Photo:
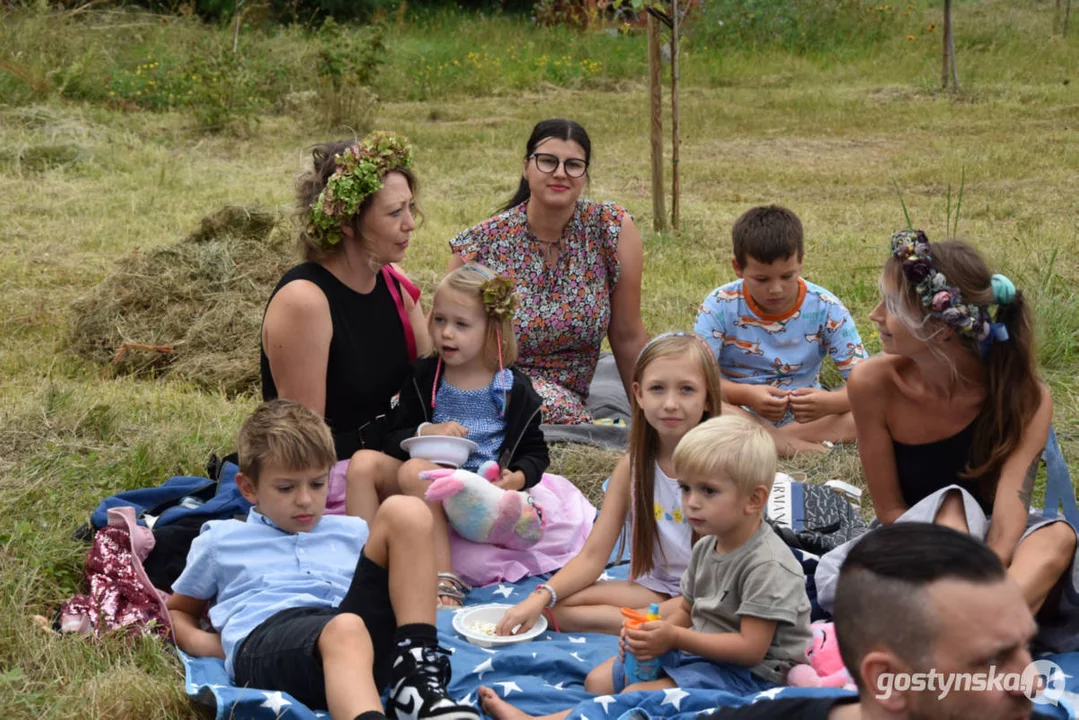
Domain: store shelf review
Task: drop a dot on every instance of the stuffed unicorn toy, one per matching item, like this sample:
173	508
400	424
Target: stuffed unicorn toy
481	511
825	668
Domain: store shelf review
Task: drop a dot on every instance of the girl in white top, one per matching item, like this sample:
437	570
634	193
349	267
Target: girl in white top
675	387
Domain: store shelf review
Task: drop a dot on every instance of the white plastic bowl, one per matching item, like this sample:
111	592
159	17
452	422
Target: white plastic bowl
466	620
440	449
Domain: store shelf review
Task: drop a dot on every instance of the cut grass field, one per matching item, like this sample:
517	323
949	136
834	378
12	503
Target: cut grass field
82	186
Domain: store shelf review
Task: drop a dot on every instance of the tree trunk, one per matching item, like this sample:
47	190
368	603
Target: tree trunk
655	89
676	205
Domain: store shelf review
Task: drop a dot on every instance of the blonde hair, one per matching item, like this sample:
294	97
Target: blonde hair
287	434
730	445
471	280
644	441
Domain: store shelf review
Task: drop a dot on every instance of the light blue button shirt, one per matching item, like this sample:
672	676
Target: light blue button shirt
256	570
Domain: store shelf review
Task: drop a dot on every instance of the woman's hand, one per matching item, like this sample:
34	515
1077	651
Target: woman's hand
451	429
522	616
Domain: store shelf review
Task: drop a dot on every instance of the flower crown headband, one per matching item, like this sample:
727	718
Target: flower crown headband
358	174
498	293
944	301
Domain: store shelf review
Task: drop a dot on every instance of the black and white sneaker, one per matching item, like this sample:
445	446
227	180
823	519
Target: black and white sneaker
420	677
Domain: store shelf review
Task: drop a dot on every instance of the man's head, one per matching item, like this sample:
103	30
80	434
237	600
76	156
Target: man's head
921	604
768	257
286	452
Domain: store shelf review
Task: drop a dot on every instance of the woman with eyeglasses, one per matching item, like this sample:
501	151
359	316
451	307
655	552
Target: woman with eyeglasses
577	264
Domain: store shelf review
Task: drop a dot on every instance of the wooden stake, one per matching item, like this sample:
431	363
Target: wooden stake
949	50
1067	14
676	205
655	89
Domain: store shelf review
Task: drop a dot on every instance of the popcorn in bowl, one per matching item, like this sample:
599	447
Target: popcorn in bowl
477	623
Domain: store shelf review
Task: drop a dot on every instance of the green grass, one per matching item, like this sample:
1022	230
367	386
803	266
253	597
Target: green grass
85	180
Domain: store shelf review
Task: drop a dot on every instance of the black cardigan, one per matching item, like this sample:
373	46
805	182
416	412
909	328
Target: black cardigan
524	444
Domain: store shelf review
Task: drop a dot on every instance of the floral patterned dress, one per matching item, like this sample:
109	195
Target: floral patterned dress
565	309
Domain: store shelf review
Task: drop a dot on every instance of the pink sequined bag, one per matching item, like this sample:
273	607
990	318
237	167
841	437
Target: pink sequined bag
119	594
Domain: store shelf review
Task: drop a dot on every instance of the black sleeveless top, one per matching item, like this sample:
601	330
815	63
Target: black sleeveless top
927	467
368	357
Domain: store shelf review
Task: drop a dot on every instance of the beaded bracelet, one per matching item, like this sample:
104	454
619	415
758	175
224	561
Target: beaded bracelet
549	589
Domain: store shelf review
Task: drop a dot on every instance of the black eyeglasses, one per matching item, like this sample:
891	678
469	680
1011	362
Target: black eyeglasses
547	163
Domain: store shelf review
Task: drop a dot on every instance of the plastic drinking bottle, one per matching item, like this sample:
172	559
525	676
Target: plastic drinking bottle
640	670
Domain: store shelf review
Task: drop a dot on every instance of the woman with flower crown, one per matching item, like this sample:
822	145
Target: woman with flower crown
342	328
577	264
951	420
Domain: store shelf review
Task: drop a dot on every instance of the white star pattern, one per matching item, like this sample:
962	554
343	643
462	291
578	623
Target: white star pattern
451	650
575	655
556	686
605	701
508	687
503	590
673	696
274	701
484	667
769	694
467	700
489	651
579	641
533	656
606	576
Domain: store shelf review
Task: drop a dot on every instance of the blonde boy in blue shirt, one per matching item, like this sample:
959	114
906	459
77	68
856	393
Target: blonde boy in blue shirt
323	608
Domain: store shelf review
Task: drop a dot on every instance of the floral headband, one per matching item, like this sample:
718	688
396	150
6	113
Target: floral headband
358	175
498	294
944	301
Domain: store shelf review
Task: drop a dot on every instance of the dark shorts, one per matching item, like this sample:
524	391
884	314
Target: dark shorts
282	652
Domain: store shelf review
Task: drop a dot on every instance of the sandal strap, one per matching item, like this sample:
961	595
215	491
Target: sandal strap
458	583
449	590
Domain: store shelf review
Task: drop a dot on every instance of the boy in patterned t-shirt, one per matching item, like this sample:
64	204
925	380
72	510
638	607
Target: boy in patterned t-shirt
770	330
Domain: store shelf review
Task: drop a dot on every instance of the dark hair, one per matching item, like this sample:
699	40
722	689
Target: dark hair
767	234
1013	393
558	128
311	183
286	433
879	600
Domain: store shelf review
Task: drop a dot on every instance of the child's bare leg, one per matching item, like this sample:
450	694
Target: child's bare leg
400	541
598	608
600	680
408	477
371	478
833	428
499	709
787	445
657	684
347	661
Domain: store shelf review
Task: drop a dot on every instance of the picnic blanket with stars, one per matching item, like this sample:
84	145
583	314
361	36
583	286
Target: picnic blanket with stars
539	677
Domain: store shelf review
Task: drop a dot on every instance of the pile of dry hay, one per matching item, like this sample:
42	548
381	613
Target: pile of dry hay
191	309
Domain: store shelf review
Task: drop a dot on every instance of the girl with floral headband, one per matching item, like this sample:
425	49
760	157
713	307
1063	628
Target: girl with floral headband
466	389
341	329
951	420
